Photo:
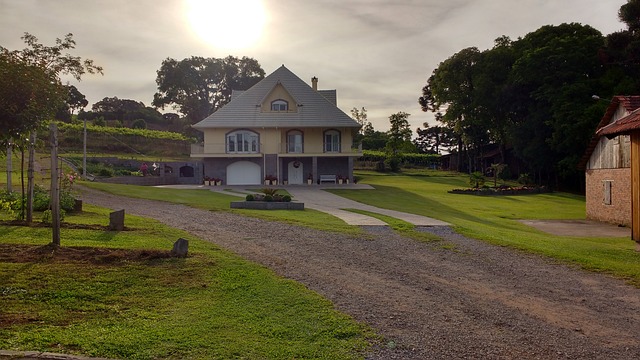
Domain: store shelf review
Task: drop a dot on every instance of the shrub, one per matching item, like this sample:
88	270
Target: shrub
47	217
525	179
268	198
286	198
250	198
380	166
139	124
104	171
476	179
269	191
393	163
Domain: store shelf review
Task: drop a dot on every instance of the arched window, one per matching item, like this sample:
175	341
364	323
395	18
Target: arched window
243	141
332	141
294	141
279	105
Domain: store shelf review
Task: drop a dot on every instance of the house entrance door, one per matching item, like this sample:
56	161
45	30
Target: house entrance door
296	173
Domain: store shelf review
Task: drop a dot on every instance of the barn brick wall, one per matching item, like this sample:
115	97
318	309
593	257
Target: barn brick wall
619	212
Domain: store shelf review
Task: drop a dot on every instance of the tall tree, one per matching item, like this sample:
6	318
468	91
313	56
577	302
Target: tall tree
33	98
361	117
399	133
199	86
32	77
556	72
433	139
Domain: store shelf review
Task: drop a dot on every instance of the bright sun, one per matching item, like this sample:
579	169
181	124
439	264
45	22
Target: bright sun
227	24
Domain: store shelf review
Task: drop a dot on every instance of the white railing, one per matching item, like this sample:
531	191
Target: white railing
218	148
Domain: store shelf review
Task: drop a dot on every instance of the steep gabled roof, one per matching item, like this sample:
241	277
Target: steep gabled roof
244	110
629	103
622	126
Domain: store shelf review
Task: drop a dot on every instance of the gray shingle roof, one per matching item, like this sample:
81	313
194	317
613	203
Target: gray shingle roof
314	110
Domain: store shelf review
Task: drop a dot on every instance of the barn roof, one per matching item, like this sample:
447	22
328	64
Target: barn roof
629	103
622	126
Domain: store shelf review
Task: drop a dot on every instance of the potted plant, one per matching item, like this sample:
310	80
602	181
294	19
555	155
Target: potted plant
340	179
310	179
207	180
217	181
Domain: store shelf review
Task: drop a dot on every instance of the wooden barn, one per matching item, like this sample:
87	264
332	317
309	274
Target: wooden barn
609	166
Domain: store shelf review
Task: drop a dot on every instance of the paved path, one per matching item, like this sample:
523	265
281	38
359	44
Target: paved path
314	197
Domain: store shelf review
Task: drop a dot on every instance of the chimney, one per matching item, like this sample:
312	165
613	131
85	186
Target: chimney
314	83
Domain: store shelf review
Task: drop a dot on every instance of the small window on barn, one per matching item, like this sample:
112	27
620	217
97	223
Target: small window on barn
607	191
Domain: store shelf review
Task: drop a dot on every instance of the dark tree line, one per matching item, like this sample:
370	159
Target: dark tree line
534	94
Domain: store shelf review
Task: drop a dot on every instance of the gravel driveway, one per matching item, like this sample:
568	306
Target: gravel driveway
427	300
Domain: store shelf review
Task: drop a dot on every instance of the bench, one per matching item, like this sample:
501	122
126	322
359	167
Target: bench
327	178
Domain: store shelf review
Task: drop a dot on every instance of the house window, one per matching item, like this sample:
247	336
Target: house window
332	141
242	141
607	191
279	105
294	141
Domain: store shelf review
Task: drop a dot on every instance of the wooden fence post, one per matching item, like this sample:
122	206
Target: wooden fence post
55	187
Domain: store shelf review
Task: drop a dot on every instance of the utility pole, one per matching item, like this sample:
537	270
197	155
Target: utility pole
84	152
55	186
9	166
30	181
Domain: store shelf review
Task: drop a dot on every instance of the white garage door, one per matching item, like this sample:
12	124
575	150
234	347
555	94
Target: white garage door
243	173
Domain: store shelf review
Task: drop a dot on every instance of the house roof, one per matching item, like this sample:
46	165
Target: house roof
313	109
629	103
622	126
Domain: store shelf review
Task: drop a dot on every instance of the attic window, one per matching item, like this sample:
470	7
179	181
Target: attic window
279	105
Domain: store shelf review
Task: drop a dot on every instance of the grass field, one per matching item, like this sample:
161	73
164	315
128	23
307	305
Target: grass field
210	305
494	218
490	218
215	305
208	200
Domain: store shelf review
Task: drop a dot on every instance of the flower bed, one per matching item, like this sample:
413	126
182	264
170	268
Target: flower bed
268	200
267	205
503	190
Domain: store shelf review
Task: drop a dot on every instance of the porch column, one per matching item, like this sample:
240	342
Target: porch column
314	168
635	188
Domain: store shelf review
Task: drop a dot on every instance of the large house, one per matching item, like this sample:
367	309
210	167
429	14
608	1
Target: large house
281	128
607	164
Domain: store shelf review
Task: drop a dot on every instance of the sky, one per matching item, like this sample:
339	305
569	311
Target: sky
377	54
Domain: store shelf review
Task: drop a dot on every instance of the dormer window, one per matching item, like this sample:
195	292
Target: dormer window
279	105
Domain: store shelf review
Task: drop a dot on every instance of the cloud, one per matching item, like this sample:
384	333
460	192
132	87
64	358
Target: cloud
376	53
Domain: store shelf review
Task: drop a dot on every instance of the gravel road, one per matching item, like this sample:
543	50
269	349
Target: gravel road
429	301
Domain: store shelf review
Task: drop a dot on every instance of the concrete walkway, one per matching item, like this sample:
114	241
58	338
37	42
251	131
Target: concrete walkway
314	197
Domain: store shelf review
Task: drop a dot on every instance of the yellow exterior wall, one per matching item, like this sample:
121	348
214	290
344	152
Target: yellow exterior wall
273	141
277	93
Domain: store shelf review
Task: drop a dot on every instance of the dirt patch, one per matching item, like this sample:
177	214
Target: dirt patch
11	253
580	228
63	225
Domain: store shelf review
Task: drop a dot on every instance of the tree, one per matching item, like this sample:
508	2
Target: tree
32	91
361	117
199	86
29	95
556	72
75	101
31	86
113	108
432	139
399	133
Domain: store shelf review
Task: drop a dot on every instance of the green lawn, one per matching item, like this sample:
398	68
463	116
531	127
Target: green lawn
494	218
489	218
211	305
209	200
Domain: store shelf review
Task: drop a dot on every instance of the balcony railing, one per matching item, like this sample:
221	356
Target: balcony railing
284	148
220	148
